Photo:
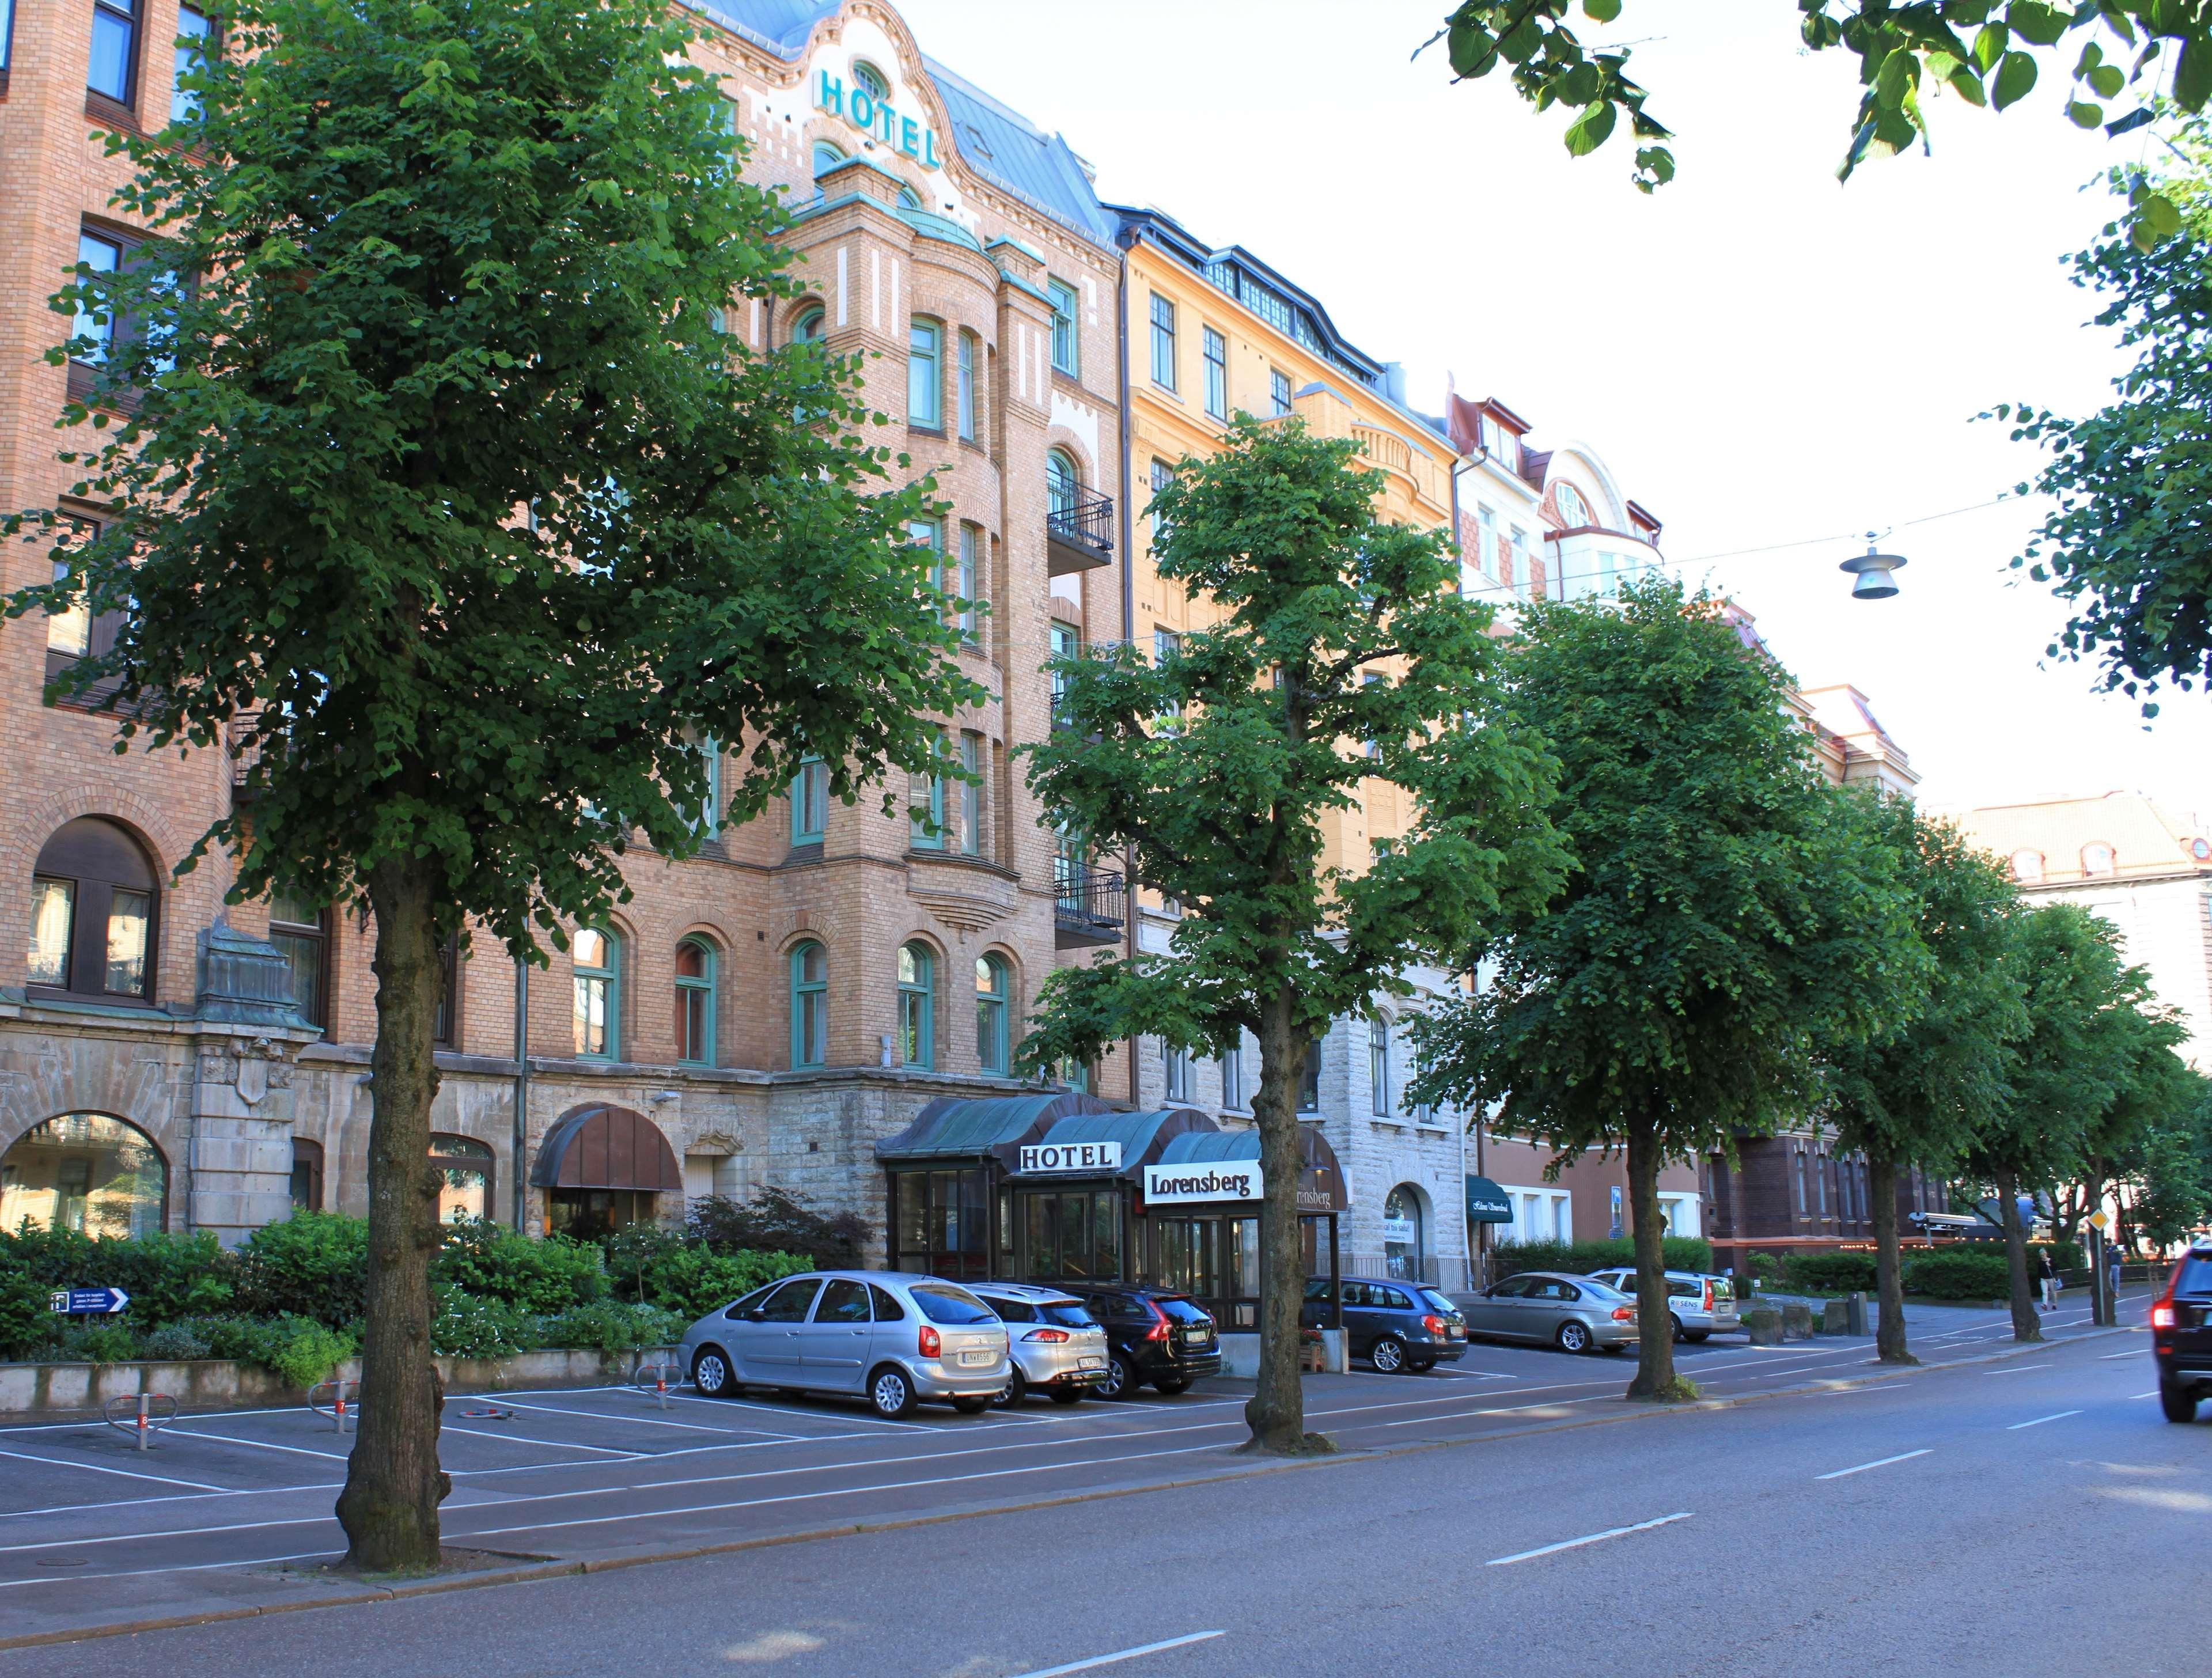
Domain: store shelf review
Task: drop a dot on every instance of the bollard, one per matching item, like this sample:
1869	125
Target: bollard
144	1401
1855	1315
337	1405
661	1383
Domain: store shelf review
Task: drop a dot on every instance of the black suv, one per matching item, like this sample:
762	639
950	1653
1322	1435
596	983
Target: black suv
1396	1326
1153	1334
2181	1336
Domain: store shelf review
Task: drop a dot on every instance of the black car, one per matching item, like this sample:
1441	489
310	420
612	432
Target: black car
1396	1326
2181	1336
1153	1334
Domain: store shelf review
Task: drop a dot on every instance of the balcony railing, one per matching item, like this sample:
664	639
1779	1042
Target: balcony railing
1080	534
1093	904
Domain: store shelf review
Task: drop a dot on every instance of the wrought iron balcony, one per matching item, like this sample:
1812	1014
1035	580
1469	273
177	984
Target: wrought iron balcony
1079	532
1092	905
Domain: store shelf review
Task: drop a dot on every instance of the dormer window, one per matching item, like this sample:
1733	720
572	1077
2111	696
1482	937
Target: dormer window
2096	860
2027	867
871	81
1500	445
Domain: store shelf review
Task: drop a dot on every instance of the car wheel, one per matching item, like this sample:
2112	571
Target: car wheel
890	1394
2178	1403
1121	1380
973	1405
1677	1321
1016	1390
1068	1395
1174	1383
710	1374
1697	1336
1388	1355
1573	1336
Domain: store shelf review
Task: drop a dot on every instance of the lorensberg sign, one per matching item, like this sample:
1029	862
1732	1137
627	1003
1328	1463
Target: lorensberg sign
875	118
1093	1157
1217	1180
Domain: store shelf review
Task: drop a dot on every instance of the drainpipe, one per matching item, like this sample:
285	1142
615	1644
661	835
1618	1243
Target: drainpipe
1129	588
522	1090
1465	1229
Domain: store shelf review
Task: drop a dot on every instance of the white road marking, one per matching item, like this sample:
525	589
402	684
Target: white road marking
2018	1369
551	1445
1880	1462
260	1444
1121	1655
2153	1393
173	1532
2110	1356
1594	1538
1501	1410
648	1421
127	1474
2057	1416
182	1497
1848	1392
195	1567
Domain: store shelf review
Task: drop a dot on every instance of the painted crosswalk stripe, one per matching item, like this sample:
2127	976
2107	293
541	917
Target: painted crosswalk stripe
1594	1538
1883	1462
2039	1420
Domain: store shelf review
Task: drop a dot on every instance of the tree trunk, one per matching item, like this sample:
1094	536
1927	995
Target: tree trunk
1277	1411
389	1507
2025	1325
1888	1261
1655	1333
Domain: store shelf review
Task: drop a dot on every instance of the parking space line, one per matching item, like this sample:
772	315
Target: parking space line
1851	1392
2153	1393
98	1469
1878	1462
2018	1369
182	1497
171	1532
648	1421
259	1445
1121	1655
2059	1416
2111	1356
1594	1538
1504	1410
195	1568
551	1445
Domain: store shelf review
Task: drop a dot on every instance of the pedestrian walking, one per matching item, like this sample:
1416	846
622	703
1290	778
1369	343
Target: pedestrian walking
2114	1253
2047	1274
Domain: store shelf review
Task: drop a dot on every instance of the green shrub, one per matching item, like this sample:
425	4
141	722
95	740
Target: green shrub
468	1326
1580	1257
606	1325
167	1276
299	1351
694	1280
96	1342
488	1261
1959	1275
1829	1273
25	1322
775	1221
172	1342
313	1265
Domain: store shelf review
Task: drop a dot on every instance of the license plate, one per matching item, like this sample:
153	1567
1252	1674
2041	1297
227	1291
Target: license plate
979	1357
1453	1331
1091	1363
1195	1336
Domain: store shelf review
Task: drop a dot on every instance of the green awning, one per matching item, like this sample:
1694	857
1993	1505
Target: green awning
1486	1203
1321	1180
1142	1135
975	1130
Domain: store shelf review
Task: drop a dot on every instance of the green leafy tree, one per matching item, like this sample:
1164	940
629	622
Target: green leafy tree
2171	1170
1915	1094
438	483
1987	52
1720	930
2128	543
1221	768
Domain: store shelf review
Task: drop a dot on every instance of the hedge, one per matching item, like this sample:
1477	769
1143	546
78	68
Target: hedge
1830	1272
1959	1275
1579	1258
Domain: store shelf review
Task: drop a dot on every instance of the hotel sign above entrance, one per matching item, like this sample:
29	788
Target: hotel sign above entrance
877	118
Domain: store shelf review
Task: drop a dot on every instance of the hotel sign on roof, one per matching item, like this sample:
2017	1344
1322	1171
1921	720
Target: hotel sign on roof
877	118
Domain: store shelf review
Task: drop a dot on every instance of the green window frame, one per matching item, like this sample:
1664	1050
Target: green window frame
925	382
926	832
1164	342
595	968
810	1004
1067	343
694	1002
917	1006
1217	374
963	578
964	385
971	795
993	1044
1063	483
706	820
1278	392
810	802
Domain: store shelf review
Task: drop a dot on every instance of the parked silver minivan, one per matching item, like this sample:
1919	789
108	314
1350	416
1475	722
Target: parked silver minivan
1057	1346
897	1340
1699	1305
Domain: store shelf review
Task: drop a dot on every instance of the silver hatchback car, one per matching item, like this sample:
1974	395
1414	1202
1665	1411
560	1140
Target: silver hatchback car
1057	1346
1699	1306
894	1339
1574	1313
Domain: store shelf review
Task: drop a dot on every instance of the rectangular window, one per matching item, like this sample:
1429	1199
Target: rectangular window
1309	1079
301	933
1486	554
963	581
971	795
1163	343
925	390
1161	476
1279	393
930	534
1217	372
1233	1078
195	36
446	1025
103	256
53	912
965	387
1166	645
1067	356
707	817
1178	1074
1378	1069
7	29
926	816
1519	573
810	802
114	65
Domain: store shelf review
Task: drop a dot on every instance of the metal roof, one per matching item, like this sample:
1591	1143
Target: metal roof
1141	1134
970	1130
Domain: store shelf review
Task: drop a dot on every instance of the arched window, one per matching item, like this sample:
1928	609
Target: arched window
1402	1233
464	1171
917	998
1378	1067
2027	867
909	198
2099	860
806	324
1061	483
1574	511
87	1172
925	385
871	80
694	1002
810	1005
93	912
992	1046
827	156
595	958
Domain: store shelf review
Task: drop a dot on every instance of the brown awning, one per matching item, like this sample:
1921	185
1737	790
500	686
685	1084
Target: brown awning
607	1147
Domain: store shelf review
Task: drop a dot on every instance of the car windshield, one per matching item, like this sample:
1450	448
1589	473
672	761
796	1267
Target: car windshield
955	1307
1181	1310
1011	1310
1601	1290
1067	1313
2195	1275
1437	1302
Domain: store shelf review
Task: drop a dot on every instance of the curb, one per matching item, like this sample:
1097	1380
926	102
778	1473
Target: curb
853	1528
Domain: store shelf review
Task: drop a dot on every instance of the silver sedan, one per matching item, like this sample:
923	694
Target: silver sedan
1574	1313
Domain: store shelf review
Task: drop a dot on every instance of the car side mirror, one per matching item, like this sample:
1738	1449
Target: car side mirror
757	1314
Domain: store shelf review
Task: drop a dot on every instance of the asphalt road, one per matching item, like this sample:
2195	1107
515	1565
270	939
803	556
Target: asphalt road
1946	1518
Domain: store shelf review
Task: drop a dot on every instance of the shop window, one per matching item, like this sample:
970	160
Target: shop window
1217	372
941	1221
1072	1237
463	1166
964	385
1164	342
93	914
195	35
86	1172
810	1005
1402	1244
307	1175
917	998
112	71
810	802
992	1044
585	1214
1067	352
925	391
594	960
694	1002
301	933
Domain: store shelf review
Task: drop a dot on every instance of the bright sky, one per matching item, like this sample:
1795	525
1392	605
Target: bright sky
1760	354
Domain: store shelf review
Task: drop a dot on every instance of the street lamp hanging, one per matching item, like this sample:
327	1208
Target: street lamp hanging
1873	571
